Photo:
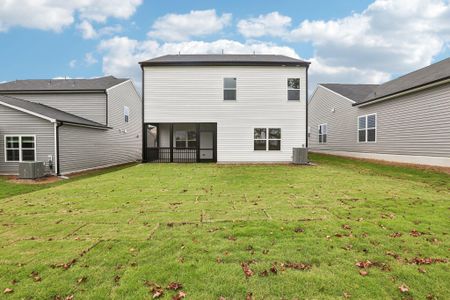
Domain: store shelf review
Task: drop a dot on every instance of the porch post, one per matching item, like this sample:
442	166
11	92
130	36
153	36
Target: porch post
197	128
144	143
171	142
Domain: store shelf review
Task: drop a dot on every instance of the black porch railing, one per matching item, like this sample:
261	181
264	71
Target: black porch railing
165	155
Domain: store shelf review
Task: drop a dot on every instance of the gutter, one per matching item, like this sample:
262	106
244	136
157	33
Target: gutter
307	121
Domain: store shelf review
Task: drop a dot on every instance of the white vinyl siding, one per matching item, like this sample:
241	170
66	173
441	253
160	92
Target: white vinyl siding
17	123
411	125
195	95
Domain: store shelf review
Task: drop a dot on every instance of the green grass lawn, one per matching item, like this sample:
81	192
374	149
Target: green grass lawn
298	231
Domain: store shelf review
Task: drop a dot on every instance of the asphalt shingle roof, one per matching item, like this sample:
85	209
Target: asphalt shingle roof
48	111
224	60
355	92
435	72
94	84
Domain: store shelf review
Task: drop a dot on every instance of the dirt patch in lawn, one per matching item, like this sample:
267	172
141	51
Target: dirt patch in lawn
43	180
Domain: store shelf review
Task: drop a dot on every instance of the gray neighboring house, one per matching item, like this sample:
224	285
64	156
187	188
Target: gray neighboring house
403	120
71	125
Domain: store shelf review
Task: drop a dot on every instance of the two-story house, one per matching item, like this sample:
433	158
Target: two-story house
223	108
70	125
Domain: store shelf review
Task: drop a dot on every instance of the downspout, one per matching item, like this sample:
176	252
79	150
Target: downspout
307	100
144	129
59	124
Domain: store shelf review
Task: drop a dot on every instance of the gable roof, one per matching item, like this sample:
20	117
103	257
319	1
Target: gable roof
355	92
224	60
100	84
433	73
46	111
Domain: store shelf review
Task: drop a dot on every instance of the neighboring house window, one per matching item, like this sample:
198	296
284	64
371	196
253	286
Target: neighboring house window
185	139
229	89
267	139
293	89
20	148
126	113
323	132
367	127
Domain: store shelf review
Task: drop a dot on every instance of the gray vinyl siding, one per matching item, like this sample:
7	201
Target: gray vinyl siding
415	124
91	106
86	148
16	122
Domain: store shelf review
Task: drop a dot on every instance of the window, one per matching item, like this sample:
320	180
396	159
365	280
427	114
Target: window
126	113
267	139
229	89
185	139
293	89
20	148
323	132
367	127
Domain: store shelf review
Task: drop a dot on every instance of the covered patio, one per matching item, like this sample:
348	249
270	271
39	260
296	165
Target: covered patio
180	142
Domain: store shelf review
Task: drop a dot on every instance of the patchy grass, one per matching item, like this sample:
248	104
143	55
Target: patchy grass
297	232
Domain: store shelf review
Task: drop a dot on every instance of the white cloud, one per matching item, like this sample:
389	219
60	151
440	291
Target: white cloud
121	54
73	63
89	59
56	15
182	27
89	32
272	24
393	36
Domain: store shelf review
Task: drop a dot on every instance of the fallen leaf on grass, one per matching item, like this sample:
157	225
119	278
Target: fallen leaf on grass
274	269
346	226
247	271
393	254
174	286
232	238
347	295
395	235
297	266
179	296
35	276
403	288
249	296
8	291
155	289
427	260
415	233
116	278
364	264
363	272
264	273
421	270
299	230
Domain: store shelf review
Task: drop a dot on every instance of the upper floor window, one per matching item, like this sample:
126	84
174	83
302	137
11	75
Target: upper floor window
126	113
20	148
267	139
367	128
323	132
293	85
229	89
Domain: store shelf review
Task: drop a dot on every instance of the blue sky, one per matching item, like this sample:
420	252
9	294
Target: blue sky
346	41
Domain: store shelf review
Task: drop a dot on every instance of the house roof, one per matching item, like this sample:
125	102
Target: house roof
431	74
224	60
354	92
46	111
40	85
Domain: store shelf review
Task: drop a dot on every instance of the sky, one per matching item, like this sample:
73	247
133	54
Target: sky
346	41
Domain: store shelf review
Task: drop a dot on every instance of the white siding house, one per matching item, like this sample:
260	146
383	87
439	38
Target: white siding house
70	125
224	108
404	120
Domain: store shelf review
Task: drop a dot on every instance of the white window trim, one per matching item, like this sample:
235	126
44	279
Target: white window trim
367	128
291	89
20	147
266	139
326	133
228	89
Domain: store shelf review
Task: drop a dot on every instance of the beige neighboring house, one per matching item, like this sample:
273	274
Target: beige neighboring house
71	125
404	120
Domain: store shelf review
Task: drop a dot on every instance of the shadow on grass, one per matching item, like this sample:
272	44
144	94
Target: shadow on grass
10	189
428	175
